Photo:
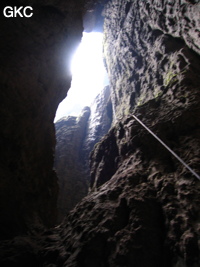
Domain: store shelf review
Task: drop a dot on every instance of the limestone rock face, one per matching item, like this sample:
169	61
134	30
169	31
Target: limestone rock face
100	120
138	165
35	56
150	49
69	164
143	207
76	138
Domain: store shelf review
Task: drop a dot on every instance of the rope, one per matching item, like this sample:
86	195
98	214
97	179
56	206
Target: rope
169	149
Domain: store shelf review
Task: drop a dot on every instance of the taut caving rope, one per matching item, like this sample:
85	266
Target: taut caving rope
169	149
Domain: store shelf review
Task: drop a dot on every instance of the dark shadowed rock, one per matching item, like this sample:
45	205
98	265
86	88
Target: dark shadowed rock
34	74
69	164
76	138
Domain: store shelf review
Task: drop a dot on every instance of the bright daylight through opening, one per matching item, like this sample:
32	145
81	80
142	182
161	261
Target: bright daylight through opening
88	76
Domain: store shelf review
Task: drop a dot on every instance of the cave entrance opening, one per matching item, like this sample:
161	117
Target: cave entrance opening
89	76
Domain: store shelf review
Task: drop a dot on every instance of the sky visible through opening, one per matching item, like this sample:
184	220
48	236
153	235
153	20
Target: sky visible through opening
88	76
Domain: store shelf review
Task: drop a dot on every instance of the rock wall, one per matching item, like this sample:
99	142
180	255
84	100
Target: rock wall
99	122
152	53
131	170
34	77
69	164
143	208
75	139
151	49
